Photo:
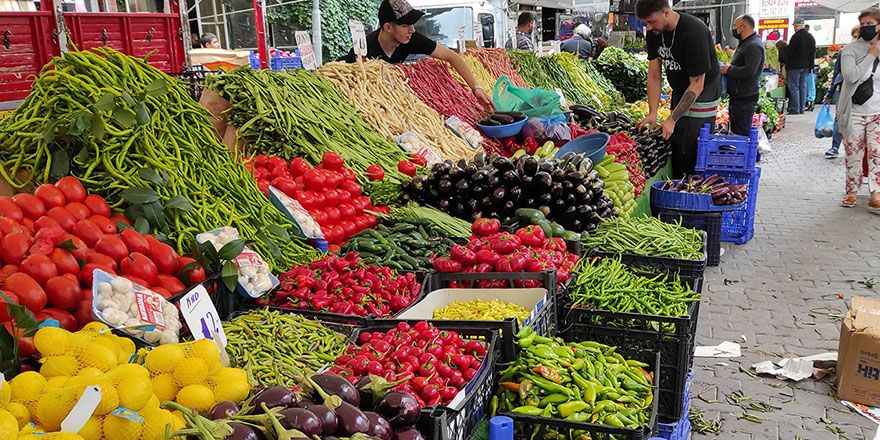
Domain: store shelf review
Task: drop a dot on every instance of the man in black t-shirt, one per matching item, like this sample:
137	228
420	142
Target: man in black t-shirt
396	39
680	45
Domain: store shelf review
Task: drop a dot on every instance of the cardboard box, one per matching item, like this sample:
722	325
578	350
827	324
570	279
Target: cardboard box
858	358
532	299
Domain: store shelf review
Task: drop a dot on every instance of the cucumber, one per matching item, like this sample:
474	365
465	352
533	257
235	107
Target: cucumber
556	229
571	236
546	227
529	216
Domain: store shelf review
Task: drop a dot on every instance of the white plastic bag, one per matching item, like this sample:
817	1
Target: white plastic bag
413	143
254	276
464	131
763	142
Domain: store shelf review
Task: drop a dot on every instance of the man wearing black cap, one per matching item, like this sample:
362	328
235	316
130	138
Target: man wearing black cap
396	39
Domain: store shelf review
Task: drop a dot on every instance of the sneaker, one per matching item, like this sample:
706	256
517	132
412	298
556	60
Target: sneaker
831	154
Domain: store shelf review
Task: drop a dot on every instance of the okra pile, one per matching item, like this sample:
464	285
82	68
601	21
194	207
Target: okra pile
584	382
611	286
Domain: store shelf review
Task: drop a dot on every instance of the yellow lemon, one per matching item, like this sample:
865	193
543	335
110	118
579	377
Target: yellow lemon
54	406
98	356
27	386
118	428
155	421
95	327
164	387
164	358
57	382
134	392
59	366
20	413
207	350
197	397
5	393
51	341
127	372
92	429
8	425
230	384
109	399
192	371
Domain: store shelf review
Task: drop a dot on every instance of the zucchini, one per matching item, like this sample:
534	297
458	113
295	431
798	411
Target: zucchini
556	230
529	216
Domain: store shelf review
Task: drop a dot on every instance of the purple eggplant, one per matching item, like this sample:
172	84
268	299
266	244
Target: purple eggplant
339	386
326	415
240	431
351	420
379	427
408	434
400	409
302	420
372	388
275	397
223	410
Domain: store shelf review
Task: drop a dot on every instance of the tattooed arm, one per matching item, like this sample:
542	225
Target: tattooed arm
684	104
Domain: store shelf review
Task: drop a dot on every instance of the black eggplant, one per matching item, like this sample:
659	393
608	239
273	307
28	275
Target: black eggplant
526	180
443	204
461	164
479	190
339	386
511	177
545	198
499	194
575	177
223	410
543	180
487	202
460	208
441	167
556	189
274	397
559	203
302	420
570	199
379	427
530	202
502	163
479	176
529	165
509	206
444	185
480	159
328	418
240	431
472	204
350	419
399	409
545	166
568	186
514	192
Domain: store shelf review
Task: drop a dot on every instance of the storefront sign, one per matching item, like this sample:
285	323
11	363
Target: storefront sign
358	37
306	51
773	29
776	8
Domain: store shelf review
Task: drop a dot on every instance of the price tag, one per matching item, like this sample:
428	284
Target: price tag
201	316
358	37
555	46
82	410
461	46
478	33
306	51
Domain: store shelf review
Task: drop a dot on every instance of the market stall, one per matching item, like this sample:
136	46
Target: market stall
360	251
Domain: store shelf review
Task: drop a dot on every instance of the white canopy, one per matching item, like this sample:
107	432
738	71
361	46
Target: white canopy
847	5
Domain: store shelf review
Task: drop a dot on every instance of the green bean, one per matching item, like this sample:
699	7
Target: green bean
647	236
280	348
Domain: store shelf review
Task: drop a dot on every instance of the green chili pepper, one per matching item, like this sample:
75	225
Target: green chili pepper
555	398
612	420
569	408
528	410
547	385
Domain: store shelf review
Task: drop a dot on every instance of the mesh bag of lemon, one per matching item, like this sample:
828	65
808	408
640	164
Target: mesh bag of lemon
481	310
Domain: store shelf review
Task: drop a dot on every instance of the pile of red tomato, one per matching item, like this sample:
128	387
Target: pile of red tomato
51	242
491	249
329	192
433	364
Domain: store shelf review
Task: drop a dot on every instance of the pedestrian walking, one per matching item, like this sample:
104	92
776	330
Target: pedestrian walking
800	58
744	75
681	45
858	110
832	98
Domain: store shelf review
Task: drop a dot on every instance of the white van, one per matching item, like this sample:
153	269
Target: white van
448	21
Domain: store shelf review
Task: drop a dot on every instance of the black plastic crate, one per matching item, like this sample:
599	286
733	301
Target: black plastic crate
337	318
708	222
635	334
544	324
535	427
446	423
685	268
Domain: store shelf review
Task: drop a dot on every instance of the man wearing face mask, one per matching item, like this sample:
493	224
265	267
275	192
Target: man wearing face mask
743	75
681	45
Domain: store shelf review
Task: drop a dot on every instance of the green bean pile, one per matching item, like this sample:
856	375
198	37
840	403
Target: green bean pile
559	76
581	382
428	216
646	236
280	348
615	98
609	285
133	134
299	113
529	67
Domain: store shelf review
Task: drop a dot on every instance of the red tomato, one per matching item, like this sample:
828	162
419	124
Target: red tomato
8	226
135	241
53	234
64	218
161	291
193	275
76	246
46	221
298	166
112	246
332	213
28	225
164	257
97	205
5	271
39	267
103	223
118	219
8	208
86	294
79	211
171	283
67	321
136	280
14	246
87	274
41	247
88	232
29	293
83	313
72	189
32	207
50	195
139	265
4	313
63	293
98	258
25	344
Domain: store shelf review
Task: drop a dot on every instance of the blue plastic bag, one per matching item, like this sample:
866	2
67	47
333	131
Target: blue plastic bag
824	122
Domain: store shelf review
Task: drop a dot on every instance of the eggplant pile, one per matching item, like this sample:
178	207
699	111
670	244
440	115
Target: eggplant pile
592	119
654	151
332	412
567	190
502	118
722	192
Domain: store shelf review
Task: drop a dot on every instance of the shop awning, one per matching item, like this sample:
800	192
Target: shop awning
847	5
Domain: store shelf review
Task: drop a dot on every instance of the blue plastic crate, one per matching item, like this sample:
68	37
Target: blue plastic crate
285	63
255	60
680	429
725	153
682	201
738	226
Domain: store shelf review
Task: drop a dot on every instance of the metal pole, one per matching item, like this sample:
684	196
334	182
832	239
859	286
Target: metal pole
317	42
184	31
260	23
60	28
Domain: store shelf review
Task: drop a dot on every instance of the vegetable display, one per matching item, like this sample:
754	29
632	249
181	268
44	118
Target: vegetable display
609	285
329	192
403	246
134	135
431	81
614	96
344	285
380	93
582	80
618	187
483	77
646	236
321	120
559	77
492	250
429	364
481	310
583	382
654	151
625	71
528	216
430	217
625	151
280	348
722	192
567	190
501	118
498	63
529	67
